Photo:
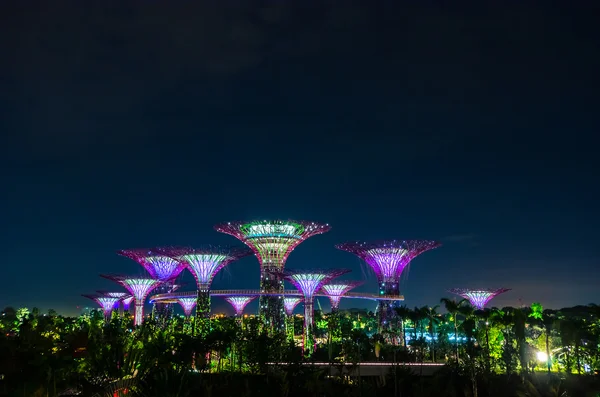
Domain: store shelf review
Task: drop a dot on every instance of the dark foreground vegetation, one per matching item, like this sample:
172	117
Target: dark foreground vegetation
521	352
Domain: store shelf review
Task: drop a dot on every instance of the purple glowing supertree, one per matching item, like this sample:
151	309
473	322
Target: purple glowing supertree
239	303
337	289
161	267
188	304
139	287
308	282
388	259
272	243
289	304
127	301
107	303
478	297
205	263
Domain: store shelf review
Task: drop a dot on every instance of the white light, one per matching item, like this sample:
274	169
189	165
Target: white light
542	357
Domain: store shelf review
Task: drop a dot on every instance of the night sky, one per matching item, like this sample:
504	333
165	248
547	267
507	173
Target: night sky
135	126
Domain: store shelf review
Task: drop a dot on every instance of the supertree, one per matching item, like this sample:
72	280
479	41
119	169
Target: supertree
388	259
161	267
337	289
308	282
126	302
139	287
204	264
289	304
478	297
188	304
272	242
107	303
239	303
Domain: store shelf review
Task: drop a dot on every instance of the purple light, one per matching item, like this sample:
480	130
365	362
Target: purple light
239	303
290	303
106	303
478	297
160	267
127	301
335	291
188	304
388	259
308	282
138	287
205	263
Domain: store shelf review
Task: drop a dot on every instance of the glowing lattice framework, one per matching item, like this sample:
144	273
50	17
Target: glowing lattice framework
160	266
239	303
308	282
188	305
336	290
107	303
388	259
272	242
139	287
290	303
127	301
478	297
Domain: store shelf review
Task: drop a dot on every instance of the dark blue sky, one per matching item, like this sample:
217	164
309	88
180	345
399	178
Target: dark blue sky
145	125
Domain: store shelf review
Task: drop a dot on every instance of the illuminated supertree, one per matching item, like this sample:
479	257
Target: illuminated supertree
239	303
337	289
188	304
161	267
139	287
478	297
107	303
308	282
388	259
289	304
204	264
126	302
272	242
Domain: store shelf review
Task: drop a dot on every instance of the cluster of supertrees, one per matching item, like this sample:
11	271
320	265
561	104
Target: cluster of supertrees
271	242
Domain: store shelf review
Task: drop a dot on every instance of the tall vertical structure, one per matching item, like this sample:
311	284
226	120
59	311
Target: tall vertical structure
289	304
160	267
107	303
239	303
388	259
139	287
204	264
272	243
308	282
478	297
187	304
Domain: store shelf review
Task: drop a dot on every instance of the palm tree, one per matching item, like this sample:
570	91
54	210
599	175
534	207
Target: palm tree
433	319
453	307
403	312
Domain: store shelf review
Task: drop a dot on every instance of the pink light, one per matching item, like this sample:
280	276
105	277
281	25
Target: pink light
290	303
161	267
478	297
188	304
335	291
239	303
139	288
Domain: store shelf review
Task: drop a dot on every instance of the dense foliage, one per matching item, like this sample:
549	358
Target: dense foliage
498	352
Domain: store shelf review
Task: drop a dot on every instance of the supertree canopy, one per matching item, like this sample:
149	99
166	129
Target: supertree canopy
204	264
139	287
127	301
161	267
337	289
239	302
272	242
308	282
290	303
107	303
388	259
478	297
188	304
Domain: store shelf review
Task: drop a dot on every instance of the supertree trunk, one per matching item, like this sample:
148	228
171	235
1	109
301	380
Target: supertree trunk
309	336
138	317
271	309
289	327
202	323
